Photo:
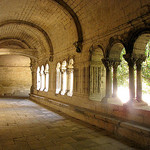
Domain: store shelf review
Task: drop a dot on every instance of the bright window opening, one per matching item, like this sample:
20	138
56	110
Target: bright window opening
146	75
38	78
70	78
47	77
64	78
58	79
42	79
123	79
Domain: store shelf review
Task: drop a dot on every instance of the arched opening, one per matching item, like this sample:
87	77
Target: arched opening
97	74
64	78
146	75
47	77
70	77
123	78
38	78
58	78
120	75
42	79
141	52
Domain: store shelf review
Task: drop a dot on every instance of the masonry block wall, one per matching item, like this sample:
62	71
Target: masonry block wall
15	76
103	23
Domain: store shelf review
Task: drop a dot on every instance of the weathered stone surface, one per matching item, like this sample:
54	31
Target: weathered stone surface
55	30
29	126
15	76
123	127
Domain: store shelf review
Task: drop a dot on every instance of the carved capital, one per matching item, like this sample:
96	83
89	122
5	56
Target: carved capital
130	59
70	70
107	63
63	70
115	64
139	61
33	65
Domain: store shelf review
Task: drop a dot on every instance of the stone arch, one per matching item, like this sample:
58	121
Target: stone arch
136	55
140	44
139	47
29	54
111	62
133	36
115	51
16	46
114	47
115	61
32	26
97	74
77	44
9	42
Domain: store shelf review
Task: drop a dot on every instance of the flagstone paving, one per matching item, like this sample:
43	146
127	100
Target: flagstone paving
25	125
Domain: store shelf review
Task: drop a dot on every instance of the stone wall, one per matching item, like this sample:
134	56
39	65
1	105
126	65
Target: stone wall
103	24
51	31
15	76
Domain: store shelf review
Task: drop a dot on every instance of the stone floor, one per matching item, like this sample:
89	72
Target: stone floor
25	125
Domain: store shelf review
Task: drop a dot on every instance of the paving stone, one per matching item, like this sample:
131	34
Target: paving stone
32	127
60	147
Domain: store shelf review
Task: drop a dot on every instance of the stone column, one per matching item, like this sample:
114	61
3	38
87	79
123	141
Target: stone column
70	81
91	80
33	72
115	66
45	81
139	80
131	61
62	81
40	79
59	80
108	64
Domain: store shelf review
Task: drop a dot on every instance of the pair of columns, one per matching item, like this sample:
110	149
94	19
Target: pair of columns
70	81
66	81
131	62
33	72
108	65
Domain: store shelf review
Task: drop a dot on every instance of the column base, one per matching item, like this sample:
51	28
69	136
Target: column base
112	100
135	102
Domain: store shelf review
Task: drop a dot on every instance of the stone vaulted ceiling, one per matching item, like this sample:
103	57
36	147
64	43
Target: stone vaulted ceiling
44	28
37	26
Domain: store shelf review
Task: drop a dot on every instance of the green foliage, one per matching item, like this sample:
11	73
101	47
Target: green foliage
122	71
146	66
